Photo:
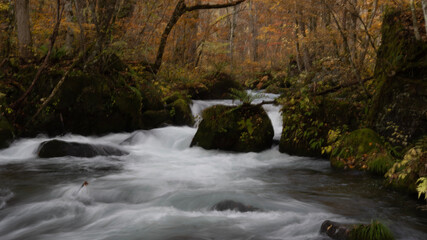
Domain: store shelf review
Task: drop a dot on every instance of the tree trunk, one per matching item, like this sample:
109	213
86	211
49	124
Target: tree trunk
414	21
297	46
22	11
424	2
69	38
79	15
232	30
254	32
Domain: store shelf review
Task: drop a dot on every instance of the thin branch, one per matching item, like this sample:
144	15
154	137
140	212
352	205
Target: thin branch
346	85
213	6
45	63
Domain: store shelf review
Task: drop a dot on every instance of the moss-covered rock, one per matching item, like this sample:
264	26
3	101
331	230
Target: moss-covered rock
180	112
57	148
246	128
215	85
6	133
373	231
91	104
155	118
361	149
399	109
176	111
307	121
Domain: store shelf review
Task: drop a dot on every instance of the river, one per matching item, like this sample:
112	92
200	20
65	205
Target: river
165	190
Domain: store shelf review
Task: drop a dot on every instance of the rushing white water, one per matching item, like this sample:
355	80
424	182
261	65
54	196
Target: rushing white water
165	190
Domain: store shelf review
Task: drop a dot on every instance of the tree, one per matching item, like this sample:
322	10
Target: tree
180	9
22	11
424	3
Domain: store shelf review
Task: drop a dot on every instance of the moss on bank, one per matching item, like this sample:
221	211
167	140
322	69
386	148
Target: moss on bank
361	149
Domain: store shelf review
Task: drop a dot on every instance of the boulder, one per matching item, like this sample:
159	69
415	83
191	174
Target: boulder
58	148
91	104
336	230
215	85
180	111
230	205
399	111
155	118
176	112
6	133
361	149
307	121
246	128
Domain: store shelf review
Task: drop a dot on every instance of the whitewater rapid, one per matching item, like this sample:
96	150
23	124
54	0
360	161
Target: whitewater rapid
165	190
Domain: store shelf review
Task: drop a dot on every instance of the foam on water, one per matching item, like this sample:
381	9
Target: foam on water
165	190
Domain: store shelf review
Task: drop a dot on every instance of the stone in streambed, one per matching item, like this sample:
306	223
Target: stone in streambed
373	231
246	128
58	148
335	230
6	133
230	205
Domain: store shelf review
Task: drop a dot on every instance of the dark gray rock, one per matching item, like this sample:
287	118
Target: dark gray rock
233	206
58	148
6	133
335	230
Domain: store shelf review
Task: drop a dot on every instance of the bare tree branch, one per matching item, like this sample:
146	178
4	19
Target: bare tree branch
213	6
180	9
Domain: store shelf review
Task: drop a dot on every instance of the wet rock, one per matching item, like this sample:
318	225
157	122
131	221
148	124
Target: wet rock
6	133
373	231
246	128
335	230
233	206
58	148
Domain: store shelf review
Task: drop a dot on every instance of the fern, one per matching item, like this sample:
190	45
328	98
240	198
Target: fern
422	187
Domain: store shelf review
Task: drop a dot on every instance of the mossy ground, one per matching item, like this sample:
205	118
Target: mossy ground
361	149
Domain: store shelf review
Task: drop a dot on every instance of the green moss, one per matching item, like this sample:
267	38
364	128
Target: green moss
246	128
399	101
373	231
214	85
181	113
359	142
361	149
380	164
307	121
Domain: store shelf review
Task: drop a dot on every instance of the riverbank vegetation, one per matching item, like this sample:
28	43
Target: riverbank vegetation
351	73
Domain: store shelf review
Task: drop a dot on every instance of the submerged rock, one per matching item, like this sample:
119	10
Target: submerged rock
233	206
246	128
58	148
